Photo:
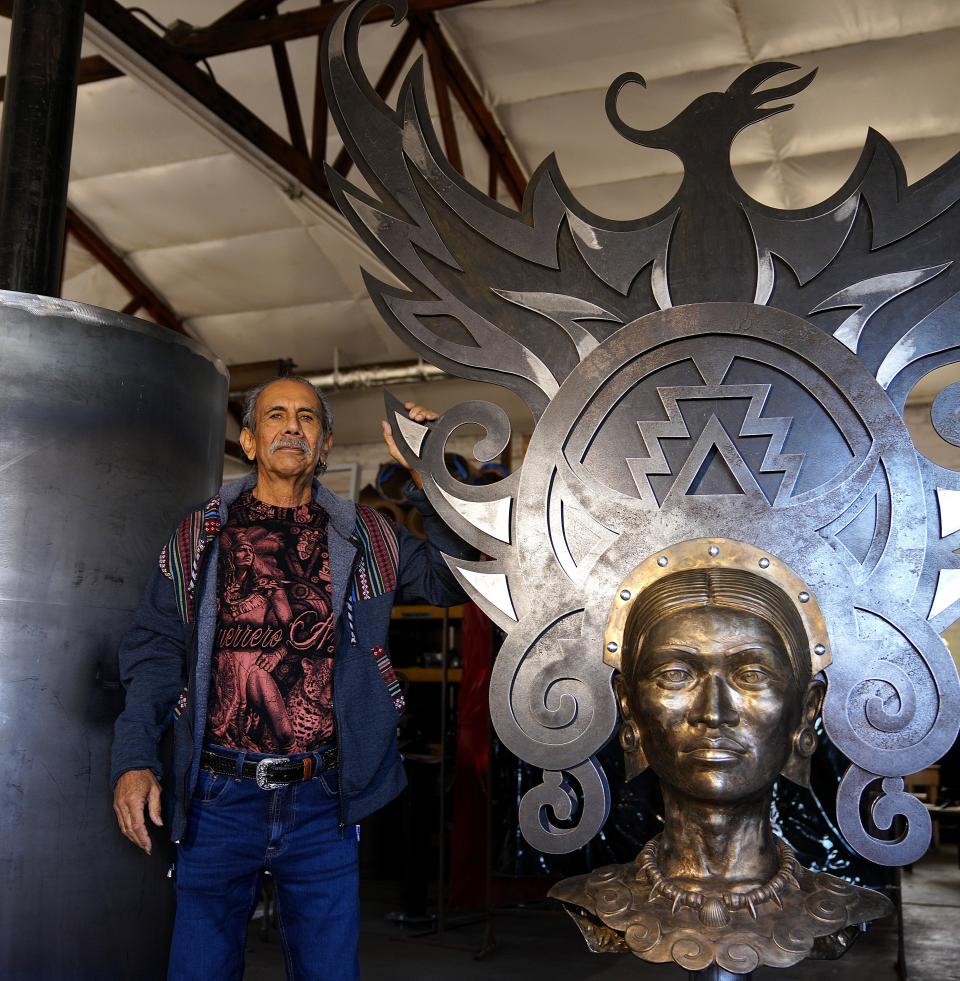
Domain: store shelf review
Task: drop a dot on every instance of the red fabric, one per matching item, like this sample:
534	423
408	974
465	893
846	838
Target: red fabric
468	851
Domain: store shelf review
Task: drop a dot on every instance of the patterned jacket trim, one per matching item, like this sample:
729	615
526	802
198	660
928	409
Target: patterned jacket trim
375	575
180	557
379	555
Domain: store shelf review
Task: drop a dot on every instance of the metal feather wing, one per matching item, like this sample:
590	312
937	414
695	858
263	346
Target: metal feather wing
492	295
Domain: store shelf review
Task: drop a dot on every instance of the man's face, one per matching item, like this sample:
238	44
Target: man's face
717	703
289	426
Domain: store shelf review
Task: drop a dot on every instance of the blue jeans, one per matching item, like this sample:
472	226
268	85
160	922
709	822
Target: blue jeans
235	832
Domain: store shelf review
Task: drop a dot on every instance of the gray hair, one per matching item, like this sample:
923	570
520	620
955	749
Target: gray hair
249	420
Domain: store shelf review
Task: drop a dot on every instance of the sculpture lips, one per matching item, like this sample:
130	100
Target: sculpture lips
716	751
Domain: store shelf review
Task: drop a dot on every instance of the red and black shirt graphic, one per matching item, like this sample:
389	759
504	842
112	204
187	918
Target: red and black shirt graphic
272	684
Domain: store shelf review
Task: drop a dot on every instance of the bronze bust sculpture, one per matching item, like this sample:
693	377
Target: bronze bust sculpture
718	688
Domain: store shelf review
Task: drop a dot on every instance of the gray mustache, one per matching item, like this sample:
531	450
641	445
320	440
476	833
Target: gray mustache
295	442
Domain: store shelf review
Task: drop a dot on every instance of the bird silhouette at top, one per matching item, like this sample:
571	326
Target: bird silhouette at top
713	254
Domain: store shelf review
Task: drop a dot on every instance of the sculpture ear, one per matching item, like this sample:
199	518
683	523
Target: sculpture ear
634	758
797	767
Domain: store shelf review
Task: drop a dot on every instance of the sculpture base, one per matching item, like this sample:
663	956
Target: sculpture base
621	909
717	973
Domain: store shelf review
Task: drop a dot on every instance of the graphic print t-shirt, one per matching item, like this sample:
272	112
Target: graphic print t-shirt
272	684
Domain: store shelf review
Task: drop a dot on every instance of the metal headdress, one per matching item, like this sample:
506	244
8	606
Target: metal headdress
717	370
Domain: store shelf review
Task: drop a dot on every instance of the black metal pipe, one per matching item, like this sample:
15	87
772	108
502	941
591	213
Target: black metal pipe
39	103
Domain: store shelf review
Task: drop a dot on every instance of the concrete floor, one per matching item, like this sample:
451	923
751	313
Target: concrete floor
543	943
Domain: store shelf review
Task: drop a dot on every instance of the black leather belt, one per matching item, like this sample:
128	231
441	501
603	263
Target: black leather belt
271	772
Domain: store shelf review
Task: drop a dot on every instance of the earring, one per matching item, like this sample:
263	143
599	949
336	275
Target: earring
797	767
634	758
322	466
629	736
805	742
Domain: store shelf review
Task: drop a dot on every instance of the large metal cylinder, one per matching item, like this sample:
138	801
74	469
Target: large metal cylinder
110	428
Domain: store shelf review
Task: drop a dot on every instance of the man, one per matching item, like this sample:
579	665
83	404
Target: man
262	633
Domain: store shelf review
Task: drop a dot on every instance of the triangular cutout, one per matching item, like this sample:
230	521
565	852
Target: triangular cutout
714	476
716	468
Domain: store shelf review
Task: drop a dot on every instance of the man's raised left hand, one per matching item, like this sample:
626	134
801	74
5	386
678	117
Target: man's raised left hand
418	413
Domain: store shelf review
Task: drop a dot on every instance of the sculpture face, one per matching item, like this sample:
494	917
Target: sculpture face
716	701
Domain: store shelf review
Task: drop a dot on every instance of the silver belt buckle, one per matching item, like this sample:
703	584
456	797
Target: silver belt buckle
261	777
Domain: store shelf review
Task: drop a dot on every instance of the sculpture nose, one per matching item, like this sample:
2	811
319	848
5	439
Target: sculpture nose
714	707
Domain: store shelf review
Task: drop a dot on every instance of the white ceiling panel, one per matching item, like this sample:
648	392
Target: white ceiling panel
190	11
76	259
251	77
184	202
121	125
253	272
631	198
875	84
806	181
922	157
637	197
346	257
95	285
810	180
775	28
306	334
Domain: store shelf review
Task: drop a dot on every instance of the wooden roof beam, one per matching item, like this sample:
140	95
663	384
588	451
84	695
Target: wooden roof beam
228	35
153	60
288	94
94	68
441	91
247	10
142	293
208	42
472	103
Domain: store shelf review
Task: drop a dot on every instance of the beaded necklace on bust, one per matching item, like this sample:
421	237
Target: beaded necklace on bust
715	908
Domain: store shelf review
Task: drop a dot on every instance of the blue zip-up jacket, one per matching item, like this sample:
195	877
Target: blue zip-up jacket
166	656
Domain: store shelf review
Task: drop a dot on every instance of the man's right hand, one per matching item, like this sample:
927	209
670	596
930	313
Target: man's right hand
136	791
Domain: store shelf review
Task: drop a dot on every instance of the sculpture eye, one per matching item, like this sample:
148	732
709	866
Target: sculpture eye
673	676
752	677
